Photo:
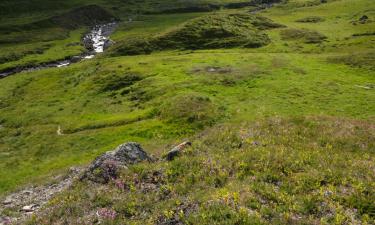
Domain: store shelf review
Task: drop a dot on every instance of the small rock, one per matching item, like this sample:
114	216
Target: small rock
27	192
176	151
256	143
327	193
108	43
8	201
75	59
74	170
363	18
30	208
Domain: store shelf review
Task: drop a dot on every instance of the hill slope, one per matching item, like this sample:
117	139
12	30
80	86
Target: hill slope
282	133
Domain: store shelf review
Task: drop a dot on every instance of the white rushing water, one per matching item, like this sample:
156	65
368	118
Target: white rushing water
99	36
62	64
99	40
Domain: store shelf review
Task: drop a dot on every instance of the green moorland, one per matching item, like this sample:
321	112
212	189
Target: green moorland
283	131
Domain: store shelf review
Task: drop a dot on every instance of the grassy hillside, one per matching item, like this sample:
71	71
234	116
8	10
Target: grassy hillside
282	133
273	171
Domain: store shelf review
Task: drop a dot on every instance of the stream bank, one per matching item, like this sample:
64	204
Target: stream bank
96	41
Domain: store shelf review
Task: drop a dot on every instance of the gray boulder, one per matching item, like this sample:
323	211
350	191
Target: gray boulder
75	59
106	167
108	43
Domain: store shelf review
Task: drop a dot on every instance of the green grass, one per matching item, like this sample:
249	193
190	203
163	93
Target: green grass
281	133
220	30
259	85
46	50
297	172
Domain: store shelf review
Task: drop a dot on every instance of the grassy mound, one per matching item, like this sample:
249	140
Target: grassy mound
208	32
191	108
115	82
188	9
84	16
311	19
307	36
363	59
256	2
186	6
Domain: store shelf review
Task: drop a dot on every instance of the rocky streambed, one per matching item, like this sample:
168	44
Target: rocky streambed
96	41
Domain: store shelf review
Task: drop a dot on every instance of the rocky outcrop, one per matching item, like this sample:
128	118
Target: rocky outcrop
106	167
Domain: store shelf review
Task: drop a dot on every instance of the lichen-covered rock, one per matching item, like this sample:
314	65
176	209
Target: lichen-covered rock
106	167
